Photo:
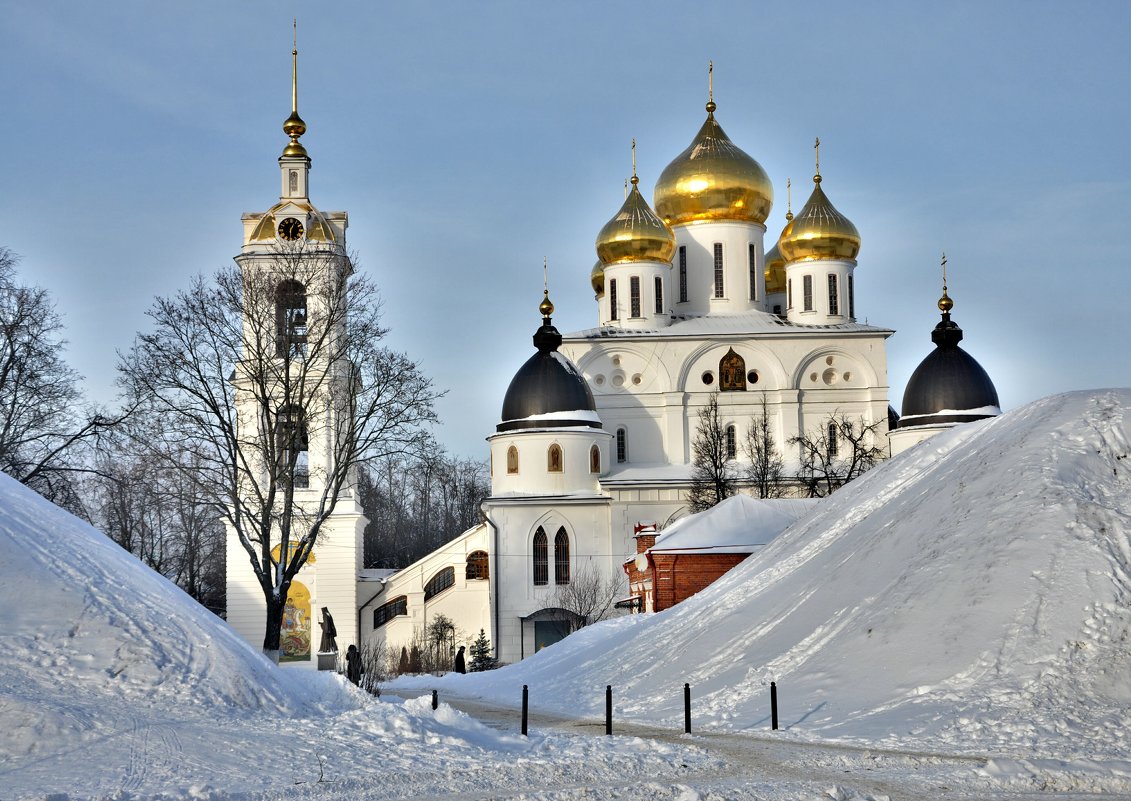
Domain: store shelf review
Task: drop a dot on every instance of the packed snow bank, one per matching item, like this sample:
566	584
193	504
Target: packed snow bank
740	524
973	593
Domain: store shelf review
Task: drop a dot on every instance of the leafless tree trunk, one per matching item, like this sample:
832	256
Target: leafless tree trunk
714	476
246	380
837	452
767	468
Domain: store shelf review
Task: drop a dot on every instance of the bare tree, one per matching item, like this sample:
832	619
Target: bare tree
837	452
589	595
714	475
274	377
766	471
42	424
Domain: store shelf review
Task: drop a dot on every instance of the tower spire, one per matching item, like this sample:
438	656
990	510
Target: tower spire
945	303
546	307
634	179
817	150
788	200
294	127
711	87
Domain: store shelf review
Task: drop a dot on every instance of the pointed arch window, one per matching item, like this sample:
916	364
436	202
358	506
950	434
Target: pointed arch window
292	447
512	460
554	458
594	459
541	558
731	442
732	372
622	445
561	557
290	320
478	566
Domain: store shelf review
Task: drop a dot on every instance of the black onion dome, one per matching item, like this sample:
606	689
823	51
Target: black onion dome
949	379
548	391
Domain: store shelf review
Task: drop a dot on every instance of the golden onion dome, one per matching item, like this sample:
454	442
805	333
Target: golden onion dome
713	180
597	278
775	271
635	233
546	307
819	231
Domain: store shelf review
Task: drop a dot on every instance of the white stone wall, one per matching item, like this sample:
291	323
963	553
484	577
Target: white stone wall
736	239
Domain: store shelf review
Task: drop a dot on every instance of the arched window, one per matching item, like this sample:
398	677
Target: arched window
622	445
832	439
292	444
753	272
554	458
594	459
732	372
478	566
683	273
807	293
438	583
719	293
394	608
512	459
614	313
659	294
634	296
541	558
732	442
834	296
561	557
290	320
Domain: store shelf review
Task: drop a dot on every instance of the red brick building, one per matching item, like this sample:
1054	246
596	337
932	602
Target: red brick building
689	555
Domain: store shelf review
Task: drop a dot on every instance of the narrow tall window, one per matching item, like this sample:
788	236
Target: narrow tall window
683	273
622	445
561	557
634	296
292	445
719	270
614	314
290	320
554	459
834	297
807	292
832	439
512	460
789	294
851	299
753	272
594	459
541	558
659	295
732	442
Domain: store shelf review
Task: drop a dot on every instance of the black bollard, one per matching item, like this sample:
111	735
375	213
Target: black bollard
687	708
608	709
436	700
525	707
774	705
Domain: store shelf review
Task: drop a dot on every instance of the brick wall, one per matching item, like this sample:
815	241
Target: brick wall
679	576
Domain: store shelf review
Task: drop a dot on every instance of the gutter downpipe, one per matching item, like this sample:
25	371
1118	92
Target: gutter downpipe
495	580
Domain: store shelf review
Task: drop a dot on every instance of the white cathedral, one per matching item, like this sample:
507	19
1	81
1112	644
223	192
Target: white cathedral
595	437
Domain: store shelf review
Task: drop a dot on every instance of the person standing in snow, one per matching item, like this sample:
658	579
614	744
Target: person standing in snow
353	665
460	667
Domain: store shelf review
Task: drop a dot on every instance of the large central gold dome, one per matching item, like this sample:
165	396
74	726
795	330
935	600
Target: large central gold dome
713	180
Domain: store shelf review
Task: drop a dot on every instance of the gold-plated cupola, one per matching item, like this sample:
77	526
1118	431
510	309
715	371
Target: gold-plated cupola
713	179
819	231
635	233
293	126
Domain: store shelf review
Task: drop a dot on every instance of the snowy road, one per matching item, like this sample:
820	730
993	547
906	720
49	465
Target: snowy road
778	766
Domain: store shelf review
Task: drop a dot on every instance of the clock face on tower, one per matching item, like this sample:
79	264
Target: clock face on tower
290	229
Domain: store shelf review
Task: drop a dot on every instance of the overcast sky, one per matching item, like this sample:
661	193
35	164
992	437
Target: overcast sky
468	141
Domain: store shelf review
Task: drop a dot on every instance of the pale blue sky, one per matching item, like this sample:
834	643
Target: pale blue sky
469	140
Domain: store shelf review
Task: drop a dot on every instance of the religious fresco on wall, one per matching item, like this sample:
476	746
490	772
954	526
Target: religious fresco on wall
277	552
294	639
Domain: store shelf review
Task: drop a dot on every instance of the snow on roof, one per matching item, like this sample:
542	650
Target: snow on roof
578	414
739	524
988	411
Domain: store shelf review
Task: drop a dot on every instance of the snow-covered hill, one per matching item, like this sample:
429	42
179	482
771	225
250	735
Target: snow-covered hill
972	593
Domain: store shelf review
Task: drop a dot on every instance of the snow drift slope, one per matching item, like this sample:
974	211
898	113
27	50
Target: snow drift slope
86	620
974	591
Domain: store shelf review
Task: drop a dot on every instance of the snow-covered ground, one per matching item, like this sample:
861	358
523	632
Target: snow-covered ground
955	625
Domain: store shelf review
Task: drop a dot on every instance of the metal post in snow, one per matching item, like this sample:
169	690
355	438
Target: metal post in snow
435	699
687	708
608	709
525	708
774	705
